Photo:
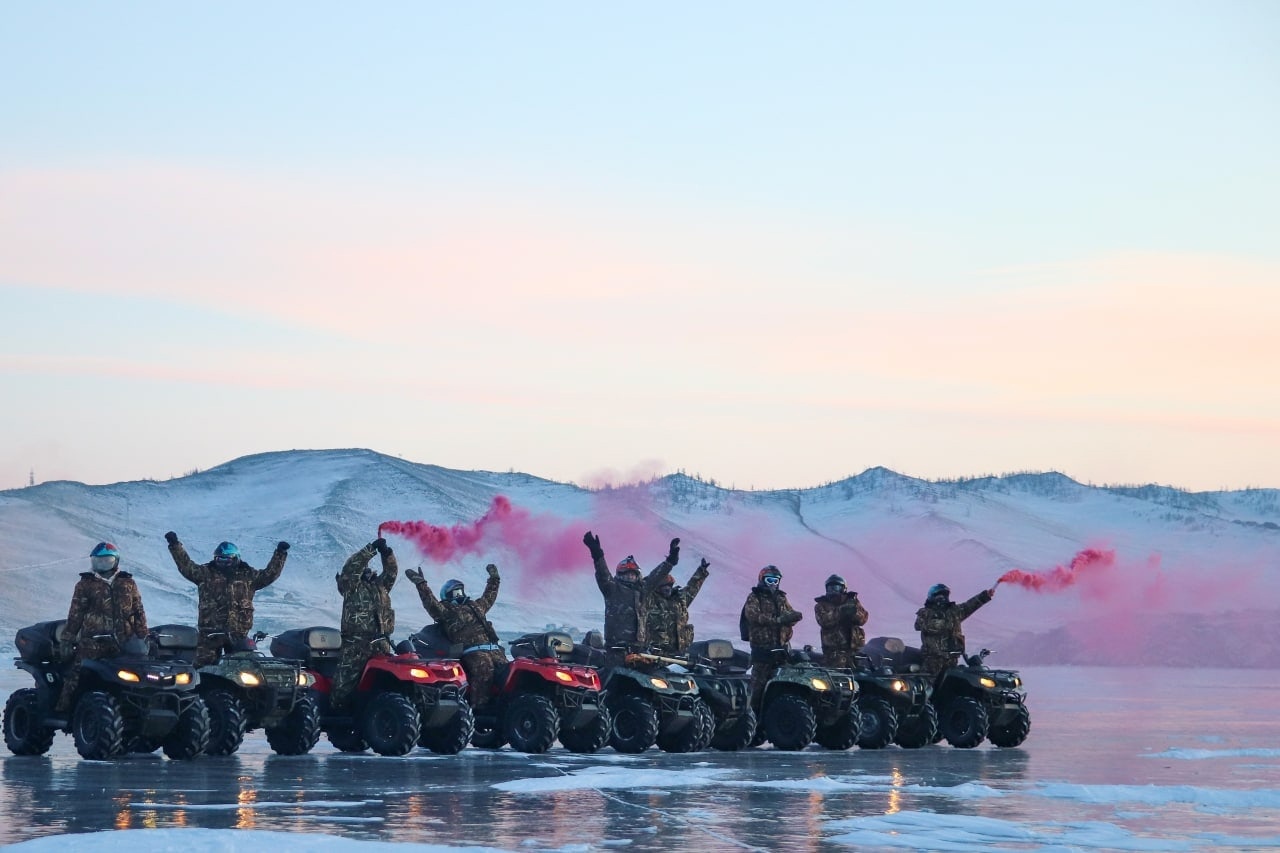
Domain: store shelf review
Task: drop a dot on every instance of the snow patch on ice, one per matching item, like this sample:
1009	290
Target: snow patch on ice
222	840
610	777
1200	754
1159	795
928	831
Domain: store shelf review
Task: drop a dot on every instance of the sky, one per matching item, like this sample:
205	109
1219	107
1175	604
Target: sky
596	244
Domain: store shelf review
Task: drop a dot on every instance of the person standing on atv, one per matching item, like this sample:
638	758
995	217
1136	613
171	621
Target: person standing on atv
840	616
667	620
463	621
626	602
367	617
226	585
941	637
106	601
767	623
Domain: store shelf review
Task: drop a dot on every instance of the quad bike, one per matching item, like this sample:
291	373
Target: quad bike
917	723
720	672
805	702
537	698
119	700
400	701
246	690
975	702
648	701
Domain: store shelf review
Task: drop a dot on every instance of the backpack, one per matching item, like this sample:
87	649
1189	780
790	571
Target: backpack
744	629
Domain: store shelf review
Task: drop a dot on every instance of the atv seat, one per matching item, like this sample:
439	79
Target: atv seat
550	644
591	651
317	647
175	642
38	643
432	644
893	653
722	656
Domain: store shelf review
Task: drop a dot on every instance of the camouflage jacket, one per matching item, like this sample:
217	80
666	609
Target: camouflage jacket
667	620
366	596
764	611
226	595
626	605
841	617
939	627
463	622
100	606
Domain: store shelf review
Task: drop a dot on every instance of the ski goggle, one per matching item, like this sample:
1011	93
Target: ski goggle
771	580
103	564
457	594
835	587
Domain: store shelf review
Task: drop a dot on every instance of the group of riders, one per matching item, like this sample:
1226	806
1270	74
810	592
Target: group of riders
642	612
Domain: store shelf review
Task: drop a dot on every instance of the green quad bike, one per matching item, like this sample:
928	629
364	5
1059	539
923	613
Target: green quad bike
720	672
977	703
805	702
649	702
247	690
119	700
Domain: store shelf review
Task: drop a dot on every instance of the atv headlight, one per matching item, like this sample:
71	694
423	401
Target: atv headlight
126	675
182	678
419	673
306	679
248	679
819	684
564	676
1017	682
900	685
987	682
659	683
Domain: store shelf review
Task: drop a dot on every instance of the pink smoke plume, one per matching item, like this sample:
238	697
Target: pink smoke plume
1059	578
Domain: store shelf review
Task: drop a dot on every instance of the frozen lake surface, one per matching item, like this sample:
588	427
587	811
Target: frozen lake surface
1118	759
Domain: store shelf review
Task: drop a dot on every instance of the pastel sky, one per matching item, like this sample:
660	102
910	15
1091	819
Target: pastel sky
772	245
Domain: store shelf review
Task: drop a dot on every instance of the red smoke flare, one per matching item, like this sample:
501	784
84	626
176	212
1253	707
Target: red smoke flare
1061	577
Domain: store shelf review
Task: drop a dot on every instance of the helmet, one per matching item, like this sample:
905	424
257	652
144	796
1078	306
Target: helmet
453	590
838	583
770	576
104	558
226	554
666	585
939	590
629	567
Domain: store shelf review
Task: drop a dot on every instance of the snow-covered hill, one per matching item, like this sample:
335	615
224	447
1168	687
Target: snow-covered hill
1188	565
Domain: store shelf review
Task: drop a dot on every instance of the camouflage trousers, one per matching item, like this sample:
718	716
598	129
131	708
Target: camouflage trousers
72	678
209	650
480	668
356	651
936	663
838	658
761	672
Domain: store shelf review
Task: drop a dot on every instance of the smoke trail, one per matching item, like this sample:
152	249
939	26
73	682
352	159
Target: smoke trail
1060	577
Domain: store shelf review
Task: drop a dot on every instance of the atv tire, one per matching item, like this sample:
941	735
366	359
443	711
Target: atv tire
963	722
97	726
736	735
843	733
390	724
1011	732
789	722
24	731
453	736
589	738
919	729
227	722
347	740
190	737
299	731
531	723
635	723
695	735
879	722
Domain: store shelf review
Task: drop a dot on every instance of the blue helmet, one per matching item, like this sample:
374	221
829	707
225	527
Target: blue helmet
104	558
226	554
453	590
939	590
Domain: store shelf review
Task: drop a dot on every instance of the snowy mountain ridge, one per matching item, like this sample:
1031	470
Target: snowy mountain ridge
1186	563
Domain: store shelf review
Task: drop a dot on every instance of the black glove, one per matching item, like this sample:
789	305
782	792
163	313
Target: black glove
380	545
415	577
792	618
593	545
282	545
492	570
849	609
673	555
704	565
171	538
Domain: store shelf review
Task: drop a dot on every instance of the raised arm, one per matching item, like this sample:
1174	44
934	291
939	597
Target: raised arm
604	580
699	577
354	567
428	598
490	595
968	608
390	568
275	566
188	568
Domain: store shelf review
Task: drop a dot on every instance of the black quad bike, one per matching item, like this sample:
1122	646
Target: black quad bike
805	702
918	720
720	672
246	690
648	701
119	700
977	703
401	700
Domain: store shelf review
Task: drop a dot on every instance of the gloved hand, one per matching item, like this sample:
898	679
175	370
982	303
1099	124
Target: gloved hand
849	609
380	545
415	577
593	545
171	538
673	554
704	565
492	570
282	545
991	593
792	617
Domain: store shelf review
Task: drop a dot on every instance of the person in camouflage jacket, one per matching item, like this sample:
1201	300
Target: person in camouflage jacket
668	627
769	619
464	622
840	617
367	617
939	624
226	585
106	611
626	597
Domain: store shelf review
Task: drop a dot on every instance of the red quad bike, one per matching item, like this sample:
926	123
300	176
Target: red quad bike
537	698
400	702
